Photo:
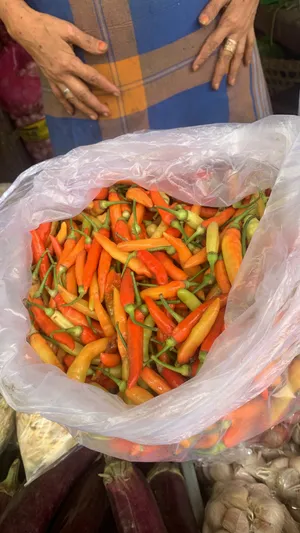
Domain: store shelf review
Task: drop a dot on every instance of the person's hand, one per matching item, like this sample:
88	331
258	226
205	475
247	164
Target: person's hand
234	36
50	42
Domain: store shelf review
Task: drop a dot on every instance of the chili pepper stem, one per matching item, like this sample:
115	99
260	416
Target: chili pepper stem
79	297
119	382
209	279
120	335
173	313
43	284
138	299
130	310
184	370
130	256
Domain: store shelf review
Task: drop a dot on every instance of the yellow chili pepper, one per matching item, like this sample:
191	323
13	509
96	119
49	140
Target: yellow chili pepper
81	305
160	231
198	333
93	290
212	244
78	369
135	264
42	348
63	233
121	323
251	228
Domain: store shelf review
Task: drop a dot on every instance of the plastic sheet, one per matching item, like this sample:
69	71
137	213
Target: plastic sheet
211	165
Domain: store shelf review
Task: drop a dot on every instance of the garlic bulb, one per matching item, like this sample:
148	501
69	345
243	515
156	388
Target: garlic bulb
214	514
296	434
235	521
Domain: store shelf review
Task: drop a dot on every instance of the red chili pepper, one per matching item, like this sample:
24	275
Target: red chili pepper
69	360
163	322
113	280
38	249
195	367
121	231
102	194
77	318
172	378
47	326
135	335
56	246
155	267
103	270
172	270
126	289
221	219
44	232
214	333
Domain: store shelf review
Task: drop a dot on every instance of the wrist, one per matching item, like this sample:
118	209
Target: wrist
14	14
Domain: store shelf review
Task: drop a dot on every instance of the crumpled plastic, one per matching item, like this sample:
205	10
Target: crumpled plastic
212	165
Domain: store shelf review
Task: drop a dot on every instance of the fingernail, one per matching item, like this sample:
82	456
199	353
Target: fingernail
231	81
204	20
195	68
216	86
117	93
94	117
70	112
106	114
102	46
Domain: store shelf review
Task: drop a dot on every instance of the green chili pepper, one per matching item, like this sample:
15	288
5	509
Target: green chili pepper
189	299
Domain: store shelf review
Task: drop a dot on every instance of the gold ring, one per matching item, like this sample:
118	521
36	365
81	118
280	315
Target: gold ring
230	46
67	93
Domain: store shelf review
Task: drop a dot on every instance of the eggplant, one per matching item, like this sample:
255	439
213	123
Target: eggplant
9	486
169	488
134	507
33	507
85	506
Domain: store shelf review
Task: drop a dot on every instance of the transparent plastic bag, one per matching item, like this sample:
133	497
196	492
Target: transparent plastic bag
211	165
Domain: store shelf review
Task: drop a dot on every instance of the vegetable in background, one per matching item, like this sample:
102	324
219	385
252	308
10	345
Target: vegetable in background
169	488
32	508
134	506
9	486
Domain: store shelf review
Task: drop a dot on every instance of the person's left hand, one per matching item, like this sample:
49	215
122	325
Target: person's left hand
234	36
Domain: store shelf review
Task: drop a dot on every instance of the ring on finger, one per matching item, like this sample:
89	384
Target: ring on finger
230	46
67	93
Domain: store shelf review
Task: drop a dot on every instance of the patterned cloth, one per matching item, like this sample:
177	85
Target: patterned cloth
152	44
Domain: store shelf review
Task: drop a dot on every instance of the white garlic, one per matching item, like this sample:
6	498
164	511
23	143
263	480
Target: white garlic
214	514
235	521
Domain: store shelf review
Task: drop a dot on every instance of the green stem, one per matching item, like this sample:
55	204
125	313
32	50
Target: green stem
184	370
60	345
240	205
138	299
170	343
119	382
136	228
119	333
130	256
105	204
197	233
79	297
209	279
87	238
35	273
176	225
39	293
173	313
130	310
76	331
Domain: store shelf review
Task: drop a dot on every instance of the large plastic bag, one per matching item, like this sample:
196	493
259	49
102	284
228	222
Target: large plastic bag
213	165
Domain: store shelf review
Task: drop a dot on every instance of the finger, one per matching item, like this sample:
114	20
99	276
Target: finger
222	66
92	77
60	97
211	44
210	12
249	47
83	99
88	43
236	61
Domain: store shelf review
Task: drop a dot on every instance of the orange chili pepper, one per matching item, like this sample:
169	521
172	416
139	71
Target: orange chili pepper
163	322
67	262
122	232
114	210
103	270
102	194
71	284
155	381
68	360
214	333
198	259
69	245
140	196
56	246
103	317
158	201
38	249
135	352
77	318
222	277
198	333
110	360
138	395
167	291
143	244
127	290
220	219
232	252
251	416
44	231
173	271
121	256
120	321
93	291
180	247
173	379
81	305
47	325
140	212
91	264
113	280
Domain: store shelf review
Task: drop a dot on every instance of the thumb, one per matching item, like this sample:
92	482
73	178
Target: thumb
87	42
210	12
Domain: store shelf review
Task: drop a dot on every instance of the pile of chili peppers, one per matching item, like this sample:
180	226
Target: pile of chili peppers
130	295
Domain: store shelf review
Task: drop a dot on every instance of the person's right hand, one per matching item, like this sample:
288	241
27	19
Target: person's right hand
50	42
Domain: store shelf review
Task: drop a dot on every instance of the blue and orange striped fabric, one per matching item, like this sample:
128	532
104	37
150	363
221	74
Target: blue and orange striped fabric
152	44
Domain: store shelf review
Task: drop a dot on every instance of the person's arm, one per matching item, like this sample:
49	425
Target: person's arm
236	24
50	42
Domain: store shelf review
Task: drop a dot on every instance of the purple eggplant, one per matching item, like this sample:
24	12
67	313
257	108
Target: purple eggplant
33	507
85	506
169	488
9	486
134	507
